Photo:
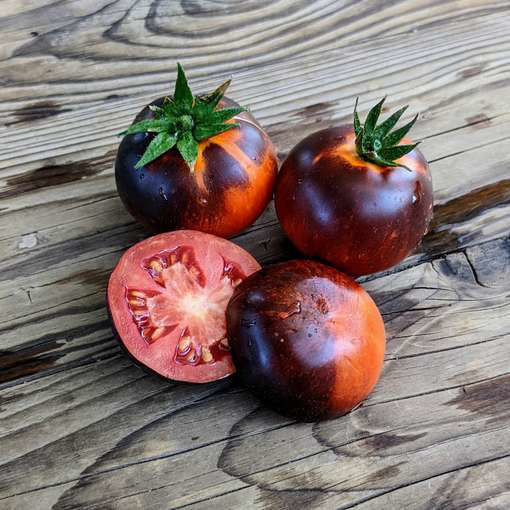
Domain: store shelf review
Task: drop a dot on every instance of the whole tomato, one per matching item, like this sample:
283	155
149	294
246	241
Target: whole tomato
355	196
305	338
195	162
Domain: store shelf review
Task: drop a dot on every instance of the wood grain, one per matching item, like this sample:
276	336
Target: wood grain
80	427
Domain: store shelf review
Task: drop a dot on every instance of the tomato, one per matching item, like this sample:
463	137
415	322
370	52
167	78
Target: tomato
358	215
167	298
221	189
306	338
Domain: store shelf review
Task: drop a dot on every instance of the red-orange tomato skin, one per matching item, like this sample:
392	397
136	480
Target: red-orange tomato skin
231	184
306	338
358	216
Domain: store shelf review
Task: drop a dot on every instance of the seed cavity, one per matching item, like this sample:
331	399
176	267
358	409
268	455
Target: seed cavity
223	345
184	255
233	273
137	305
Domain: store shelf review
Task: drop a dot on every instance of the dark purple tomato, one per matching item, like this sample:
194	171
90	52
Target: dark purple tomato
359	216
229	187
306	339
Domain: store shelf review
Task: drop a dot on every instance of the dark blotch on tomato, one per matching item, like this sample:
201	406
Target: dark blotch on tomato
230	186
358	216
305	338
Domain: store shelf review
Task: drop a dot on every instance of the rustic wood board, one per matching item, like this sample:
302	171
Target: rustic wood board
81	427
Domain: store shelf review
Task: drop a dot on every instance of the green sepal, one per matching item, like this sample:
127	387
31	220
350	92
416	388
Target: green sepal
357	123
398	134
385	127
147	126
373	117
204	132
162	143
220	116
376	142
188	147
172	109
211	100
393	153
182	93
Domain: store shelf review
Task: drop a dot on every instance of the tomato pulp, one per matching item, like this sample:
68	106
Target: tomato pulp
167	298
305	338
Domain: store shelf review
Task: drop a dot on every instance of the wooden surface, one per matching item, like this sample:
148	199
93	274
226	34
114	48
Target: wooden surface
81	427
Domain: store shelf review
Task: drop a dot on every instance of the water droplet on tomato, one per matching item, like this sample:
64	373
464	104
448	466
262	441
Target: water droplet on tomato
417	193
162	194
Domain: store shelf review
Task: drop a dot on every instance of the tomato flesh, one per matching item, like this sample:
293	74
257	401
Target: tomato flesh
167	298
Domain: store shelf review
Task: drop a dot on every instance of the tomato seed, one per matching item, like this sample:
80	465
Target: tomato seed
157	333
192	356
206	355
184	345
137	302
137	294
156	266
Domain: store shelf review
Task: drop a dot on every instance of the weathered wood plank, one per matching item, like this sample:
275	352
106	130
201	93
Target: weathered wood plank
81	427
110	49
442	405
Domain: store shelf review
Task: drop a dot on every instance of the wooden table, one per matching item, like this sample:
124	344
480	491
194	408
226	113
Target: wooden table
81	427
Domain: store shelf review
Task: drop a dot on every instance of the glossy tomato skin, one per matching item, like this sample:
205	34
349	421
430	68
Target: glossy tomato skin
229	188
305	338
358	216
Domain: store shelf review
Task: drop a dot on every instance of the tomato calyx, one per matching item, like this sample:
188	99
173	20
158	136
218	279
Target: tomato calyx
183	121
377	143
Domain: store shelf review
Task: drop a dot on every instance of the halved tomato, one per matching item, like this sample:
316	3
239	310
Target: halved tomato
167	298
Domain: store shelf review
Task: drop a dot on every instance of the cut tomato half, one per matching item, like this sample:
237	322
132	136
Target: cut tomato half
167	298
